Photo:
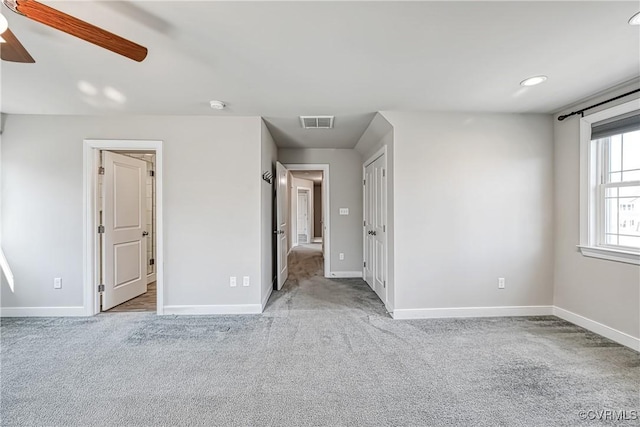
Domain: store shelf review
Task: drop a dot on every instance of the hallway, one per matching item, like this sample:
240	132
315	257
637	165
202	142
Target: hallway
307	289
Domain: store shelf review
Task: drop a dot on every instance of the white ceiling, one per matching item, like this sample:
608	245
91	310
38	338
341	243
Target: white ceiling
315	176
280	60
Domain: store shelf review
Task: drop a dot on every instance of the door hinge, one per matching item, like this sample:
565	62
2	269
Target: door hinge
384	284
364	223
364	263
152	173
384	228
364	182
384	172
152	261
100	170
100	288
100	229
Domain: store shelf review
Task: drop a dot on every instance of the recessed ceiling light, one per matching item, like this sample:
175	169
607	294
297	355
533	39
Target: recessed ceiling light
635	19
532	81
217	105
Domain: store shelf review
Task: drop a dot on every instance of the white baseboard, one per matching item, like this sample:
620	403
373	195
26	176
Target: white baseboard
213	309
598	328
265	299
439	313
151	278
42	311
346	274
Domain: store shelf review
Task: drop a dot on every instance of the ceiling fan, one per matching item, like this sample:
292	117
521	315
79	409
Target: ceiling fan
13	50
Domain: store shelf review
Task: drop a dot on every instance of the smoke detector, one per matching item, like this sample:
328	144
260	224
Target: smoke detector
317	122
217	105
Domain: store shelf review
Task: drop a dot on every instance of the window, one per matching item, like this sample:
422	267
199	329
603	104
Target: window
619	187
610	191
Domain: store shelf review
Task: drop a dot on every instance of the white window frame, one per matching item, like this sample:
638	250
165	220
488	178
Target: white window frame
589	227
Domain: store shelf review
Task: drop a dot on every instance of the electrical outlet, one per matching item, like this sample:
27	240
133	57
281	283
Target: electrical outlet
341	256
232	281
344	211
500	282
245	281
57	283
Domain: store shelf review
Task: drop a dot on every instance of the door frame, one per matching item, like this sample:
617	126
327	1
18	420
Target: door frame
91	254
326	207
309	212
381	152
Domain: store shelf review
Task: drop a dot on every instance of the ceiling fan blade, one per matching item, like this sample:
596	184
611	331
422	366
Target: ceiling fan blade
76	27
12	50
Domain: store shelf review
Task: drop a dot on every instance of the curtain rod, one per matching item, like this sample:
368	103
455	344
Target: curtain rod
581	112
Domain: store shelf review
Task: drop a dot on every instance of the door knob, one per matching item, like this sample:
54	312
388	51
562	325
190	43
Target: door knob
373	233
145	233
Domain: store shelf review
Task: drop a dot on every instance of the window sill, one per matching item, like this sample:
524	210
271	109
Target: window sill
627	257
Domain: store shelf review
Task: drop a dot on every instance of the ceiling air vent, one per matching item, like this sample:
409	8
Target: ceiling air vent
317	122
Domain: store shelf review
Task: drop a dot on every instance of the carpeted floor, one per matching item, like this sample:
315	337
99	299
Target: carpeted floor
324	353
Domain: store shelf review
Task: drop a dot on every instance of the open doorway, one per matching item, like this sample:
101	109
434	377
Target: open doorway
308	211
123	233
307	227
138	291
306	207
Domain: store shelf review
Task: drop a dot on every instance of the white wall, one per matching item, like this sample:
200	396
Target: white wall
603	291
473	202
269	155
345	185
294	184
211	212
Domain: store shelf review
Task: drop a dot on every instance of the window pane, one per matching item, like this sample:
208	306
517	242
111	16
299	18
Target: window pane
630	241
631	175
631	151
612	239
611	216
615	153
615	177
632	191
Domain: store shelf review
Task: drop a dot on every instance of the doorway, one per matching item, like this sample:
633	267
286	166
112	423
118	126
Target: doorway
314	178
305	216
123	225
131	286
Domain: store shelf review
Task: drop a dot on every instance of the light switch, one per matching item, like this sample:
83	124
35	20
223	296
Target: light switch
344	211
245	281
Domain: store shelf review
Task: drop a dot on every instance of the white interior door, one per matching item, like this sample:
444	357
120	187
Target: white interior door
368	221
375	227
124	245
281	231
303	217
378	228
